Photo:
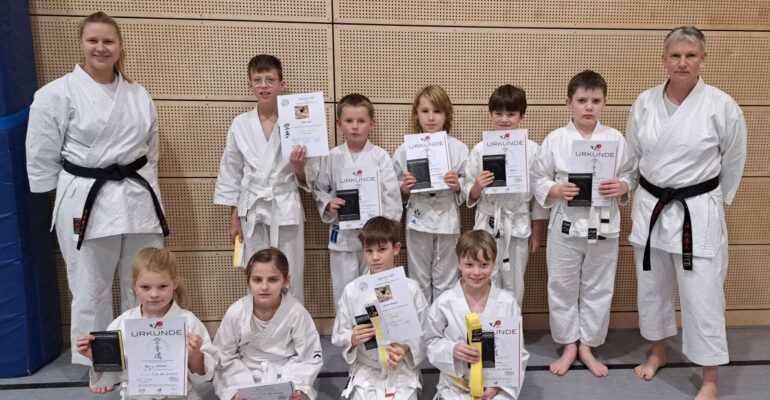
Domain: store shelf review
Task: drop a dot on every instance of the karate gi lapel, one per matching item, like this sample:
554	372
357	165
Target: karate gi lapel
669	128
112	126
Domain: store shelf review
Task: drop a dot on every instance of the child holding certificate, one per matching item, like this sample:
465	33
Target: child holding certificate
340	189
432	218
582	245
509	217
355	332
159	292
258	184
267	336
447	333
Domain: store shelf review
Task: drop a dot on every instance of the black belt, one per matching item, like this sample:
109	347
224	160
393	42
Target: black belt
665	195
114	172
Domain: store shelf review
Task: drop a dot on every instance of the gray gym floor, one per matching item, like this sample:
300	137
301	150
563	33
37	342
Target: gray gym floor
746	378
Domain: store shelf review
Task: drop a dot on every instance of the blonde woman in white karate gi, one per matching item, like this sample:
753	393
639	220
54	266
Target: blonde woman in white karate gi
93	136
690	139
267	336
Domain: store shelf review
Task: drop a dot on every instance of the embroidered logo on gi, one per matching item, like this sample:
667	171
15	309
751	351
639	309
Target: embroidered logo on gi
597	147
492	222
495	324
506	136
417	212
157	325
317	354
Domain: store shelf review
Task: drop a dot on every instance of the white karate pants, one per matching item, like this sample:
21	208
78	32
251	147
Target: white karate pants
701	291
345	267
90	273
291	241
432	261
581	280
509	275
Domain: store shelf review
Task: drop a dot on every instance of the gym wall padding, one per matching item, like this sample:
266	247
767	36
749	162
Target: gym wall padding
192	55
30	327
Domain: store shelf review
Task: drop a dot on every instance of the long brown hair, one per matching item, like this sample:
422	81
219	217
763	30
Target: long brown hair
100	17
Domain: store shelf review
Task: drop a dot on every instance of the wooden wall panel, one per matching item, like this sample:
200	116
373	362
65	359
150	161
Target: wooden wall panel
198	60
624	14
257	10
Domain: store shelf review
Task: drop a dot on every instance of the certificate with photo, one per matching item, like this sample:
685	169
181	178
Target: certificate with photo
302	121
156	349
432	147
268	391
508	345
598	158
389	292
359	186
505	155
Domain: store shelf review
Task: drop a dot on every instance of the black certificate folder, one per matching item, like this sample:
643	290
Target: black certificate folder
583	182
351	210
420	168
107	351
496	165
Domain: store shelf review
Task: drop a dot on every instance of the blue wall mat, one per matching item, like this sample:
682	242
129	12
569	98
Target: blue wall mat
30	327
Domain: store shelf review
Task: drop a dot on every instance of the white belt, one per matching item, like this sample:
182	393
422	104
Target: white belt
268	194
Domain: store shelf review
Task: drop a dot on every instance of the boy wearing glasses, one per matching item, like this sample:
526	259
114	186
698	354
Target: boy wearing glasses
261	187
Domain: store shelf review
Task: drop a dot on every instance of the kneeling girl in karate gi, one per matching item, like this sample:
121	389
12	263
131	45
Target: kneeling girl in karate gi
267	336
159	292
368	380
447	334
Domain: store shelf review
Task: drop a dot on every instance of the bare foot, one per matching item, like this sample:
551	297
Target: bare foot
655	360
561	366
709	389
587	357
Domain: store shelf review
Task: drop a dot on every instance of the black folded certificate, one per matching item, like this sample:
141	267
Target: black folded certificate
488	349
351	210
107	351
496	165
420	168
364	319
583	182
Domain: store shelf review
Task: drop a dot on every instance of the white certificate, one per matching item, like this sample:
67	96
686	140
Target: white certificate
508	349
302	121
156	353
513	146
268	391
434	148
596	157
366	179
389	292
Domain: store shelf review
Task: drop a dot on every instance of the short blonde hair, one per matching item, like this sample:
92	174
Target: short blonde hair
440	99
100	17
470	242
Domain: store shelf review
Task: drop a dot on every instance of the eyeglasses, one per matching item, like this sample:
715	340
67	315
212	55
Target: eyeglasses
269	82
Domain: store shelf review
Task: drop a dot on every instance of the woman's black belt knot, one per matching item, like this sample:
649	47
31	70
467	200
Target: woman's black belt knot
665	196
114	172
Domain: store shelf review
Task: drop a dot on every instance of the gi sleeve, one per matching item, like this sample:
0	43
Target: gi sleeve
228	186
324	191
152	140
303	367
472	171
459	161
732	144
399	166
343	328
543	173
628	170
440	346
389	187
417	346
230	370
47	126
207	348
